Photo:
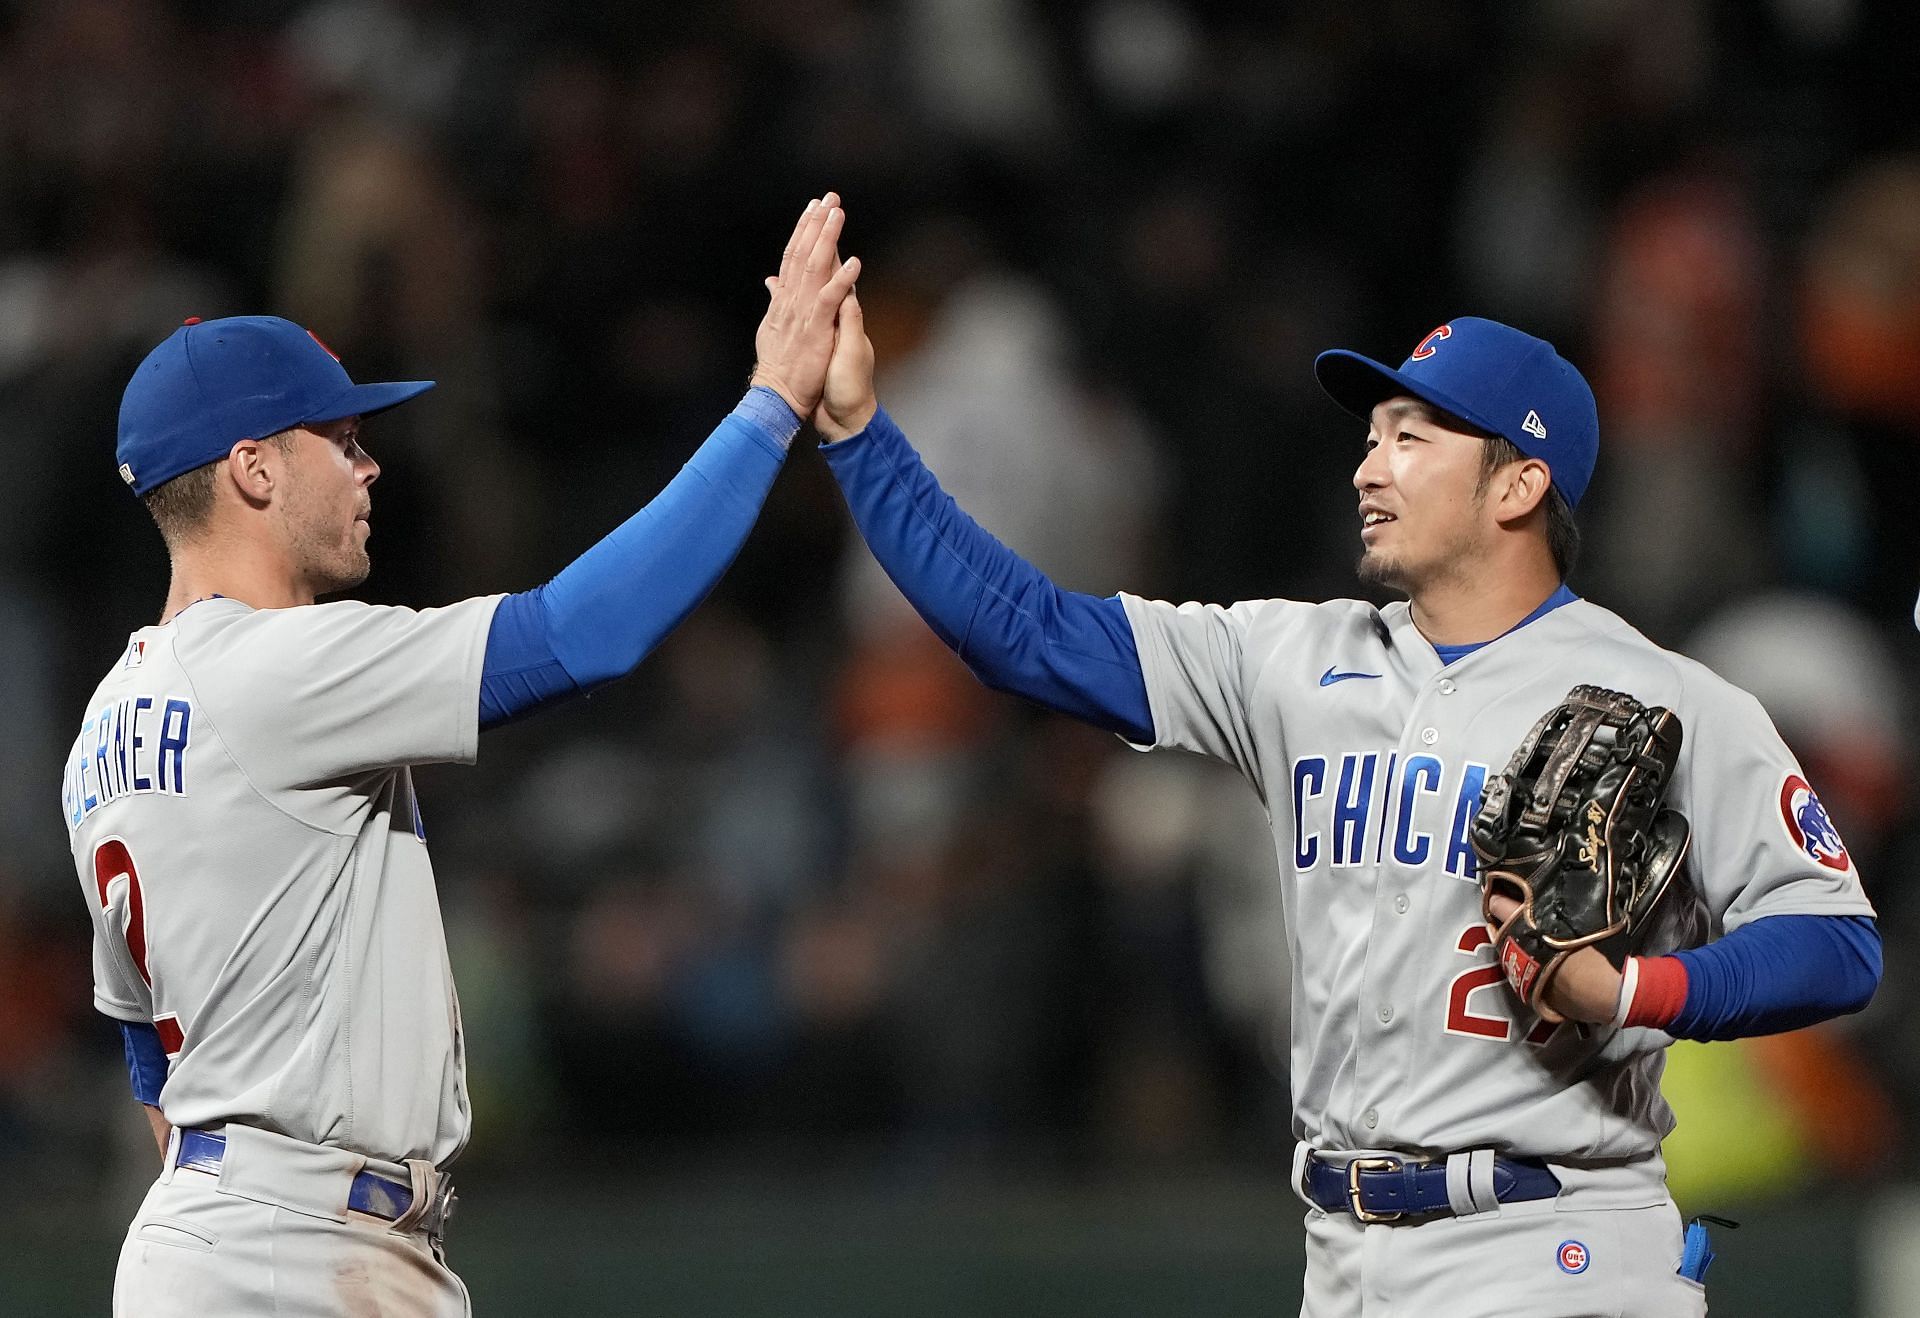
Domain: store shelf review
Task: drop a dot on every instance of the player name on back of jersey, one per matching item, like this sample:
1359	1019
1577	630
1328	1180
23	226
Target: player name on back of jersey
134	745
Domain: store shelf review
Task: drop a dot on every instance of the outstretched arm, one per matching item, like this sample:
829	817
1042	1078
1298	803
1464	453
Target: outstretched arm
1012	626
607	610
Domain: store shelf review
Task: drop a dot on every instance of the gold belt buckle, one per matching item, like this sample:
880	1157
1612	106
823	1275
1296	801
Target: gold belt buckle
1354	1168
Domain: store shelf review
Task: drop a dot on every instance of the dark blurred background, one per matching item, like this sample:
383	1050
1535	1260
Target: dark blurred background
801	974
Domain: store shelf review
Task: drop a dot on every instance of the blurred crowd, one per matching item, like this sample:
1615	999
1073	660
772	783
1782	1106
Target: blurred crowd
801	890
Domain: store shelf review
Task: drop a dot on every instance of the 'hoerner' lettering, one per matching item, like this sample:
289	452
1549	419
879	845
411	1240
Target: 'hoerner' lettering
137	744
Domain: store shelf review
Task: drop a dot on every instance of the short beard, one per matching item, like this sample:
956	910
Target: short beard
329	566
351	575
1380	570
339	575
1384	570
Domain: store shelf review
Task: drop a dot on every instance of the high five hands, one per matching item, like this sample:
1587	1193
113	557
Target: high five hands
795	341
812	347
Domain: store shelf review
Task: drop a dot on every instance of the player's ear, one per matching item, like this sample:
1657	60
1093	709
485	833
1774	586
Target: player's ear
252	471
1524	487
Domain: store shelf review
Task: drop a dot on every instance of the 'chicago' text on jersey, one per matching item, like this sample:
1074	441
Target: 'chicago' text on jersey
136	744
1368	808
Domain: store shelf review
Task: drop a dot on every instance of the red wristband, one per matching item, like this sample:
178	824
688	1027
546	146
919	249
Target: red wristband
1661	992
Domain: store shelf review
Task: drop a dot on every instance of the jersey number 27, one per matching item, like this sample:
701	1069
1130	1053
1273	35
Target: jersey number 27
1462	1020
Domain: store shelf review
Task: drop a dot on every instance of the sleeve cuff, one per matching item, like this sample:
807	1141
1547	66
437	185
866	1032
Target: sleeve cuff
880	426
768	413
1655	991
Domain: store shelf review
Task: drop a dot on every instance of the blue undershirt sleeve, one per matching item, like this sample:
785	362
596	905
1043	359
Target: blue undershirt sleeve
610	607
1012	626
521	672
1777	974
146	1060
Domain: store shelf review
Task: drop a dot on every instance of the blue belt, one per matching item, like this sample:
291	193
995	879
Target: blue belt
370	1193
1386	1189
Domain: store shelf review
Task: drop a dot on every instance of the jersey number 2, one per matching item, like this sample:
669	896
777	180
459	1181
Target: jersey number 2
1460	1020
111	863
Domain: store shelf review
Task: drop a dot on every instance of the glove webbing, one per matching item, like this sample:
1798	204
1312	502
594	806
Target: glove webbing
1592	707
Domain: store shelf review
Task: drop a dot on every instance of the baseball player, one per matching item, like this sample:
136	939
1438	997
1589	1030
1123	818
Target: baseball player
1458	1154
242	814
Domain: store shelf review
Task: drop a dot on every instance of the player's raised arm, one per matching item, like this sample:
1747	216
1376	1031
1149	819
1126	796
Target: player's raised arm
608	609
241	812
1007	621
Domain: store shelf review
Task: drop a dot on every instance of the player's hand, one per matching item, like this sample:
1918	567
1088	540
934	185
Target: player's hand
848	403
795	339
1587	987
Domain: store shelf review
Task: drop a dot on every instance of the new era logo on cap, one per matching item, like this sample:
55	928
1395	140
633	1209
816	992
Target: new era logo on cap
1533	425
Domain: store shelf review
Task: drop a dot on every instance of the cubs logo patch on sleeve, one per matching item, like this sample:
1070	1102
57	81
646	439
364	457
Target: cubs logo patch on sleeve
1573	1257
1809	826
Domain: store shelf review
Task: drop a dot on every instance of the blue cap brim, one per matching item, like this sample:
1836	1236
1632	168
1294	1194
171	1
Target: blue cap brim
1360	384
366	399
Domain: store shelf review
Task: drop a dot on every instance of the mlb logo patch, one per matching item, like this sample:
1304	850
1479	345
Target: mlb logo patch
1573	1257
1809	826
136	653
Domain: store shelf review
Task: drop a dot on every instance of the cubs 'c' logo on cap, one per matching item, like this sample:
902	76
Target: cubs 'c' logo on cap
1808	825
1425	350
323	344
1573	1257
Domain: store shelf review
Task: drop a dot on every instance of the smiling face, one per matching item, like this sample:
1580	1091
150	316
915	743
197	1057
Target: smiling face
1424	511
324	515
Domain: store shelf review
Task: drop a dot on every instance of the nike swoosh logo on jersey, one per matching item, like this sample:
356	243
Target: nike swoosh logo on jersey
1329	677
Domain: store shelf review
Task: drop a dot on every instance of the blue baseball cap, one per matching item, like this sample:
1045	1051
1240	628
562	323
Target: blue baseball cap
1494	376
213	383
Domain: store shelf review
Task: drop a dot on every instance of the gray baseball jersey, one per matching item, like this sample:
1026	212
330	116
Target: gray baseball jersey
1370	756
243	822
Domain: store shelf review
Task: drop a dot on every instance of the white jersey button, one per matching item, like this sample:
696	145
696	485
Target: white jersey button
1371	1117
1430	735
1386	1015
1401	903
1446	686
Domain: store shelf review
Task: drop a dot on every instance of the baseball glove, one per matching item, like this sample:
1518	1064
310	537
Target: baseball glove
1575	832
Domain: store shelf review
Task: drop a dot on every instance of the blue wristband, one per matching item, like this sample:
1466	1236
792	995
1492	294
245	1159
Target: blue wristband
769	411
